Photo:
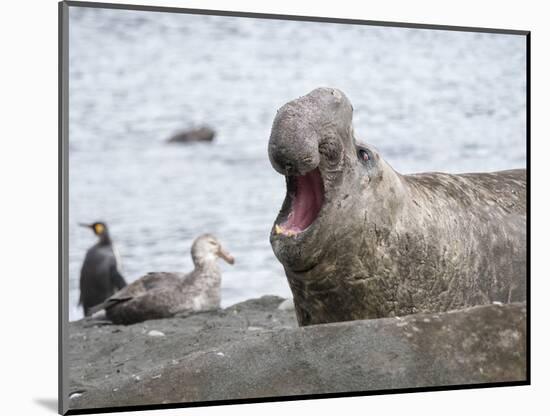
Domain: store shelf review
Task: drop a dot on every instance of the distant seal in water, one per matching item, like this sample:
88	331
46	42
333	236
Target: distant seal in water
161	295
201	134
358	240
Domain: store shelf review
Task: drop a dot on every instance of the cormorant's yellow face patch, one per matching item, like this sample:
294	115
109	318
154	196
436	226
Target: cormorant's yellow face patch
99	228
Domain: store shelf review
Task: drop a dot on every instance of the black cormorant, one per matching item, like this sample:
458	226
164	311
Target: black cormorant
100	275
161	295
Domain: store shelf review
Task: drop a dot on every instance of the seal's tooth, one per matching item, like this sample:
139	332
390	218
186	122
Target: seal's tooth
278	230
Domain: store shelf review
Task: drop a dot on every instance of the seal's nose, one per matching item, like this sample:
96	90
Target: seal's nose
308	129
293	144
293	152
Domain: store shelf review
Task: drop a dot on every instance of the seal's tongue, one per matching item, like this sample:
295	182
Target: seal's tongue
306	202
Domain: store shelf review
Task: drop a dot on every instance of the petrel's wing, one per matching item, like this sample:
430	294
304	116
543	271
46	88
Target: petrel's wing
142	286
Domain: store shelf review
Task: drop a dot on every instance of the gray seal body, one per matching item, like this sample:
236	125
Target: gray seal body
358	240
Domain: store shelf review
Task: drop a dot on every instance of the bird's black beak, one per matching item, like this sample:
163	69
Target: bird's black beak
86	225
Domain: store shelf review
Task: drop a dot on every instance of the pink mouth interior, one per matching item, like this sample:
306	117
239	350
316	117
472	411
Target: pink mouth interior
306	202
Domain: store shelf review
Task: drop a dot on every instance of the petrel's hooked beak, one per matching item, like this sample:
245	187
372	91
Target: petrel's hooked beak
226	256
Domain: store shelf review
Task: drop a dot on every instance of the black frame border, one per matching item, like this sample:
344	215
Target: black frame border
63	182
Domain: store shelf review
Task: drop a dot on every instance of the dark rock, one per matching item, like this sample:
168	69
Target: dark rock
254	350
201	134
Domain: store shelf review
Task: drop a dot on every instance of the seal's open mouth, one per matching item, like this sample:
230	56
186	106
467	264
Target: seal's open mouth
306	193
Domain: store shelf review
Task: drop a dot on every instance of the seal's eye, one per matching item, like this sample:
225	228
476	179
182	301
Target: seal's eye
363	154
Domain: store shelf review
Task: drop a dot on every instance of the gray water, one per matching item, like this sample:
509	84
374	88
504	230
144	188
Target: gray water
428	100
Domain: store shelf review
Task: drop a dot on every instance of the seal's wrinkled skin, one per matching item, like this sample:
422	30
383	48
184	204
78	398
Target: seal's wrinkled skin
359	240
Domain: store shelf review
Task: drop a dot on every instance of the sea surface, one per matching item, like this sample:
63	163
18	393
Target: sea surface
428	100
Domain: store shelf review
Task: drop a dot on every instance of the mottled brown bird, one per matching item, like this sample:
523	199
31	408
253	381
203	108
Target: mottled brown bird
161	295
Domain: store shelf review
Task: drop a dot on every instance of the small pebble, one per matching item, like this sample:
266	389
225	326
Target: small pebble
155	333
221	354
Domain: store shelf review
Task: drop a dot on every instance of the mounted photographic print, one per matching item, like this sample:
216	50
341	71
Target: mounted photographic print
262	207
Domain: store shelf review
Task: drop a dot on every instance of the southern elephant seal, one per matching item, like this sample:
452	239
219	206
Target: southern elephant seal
201	134
358	240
